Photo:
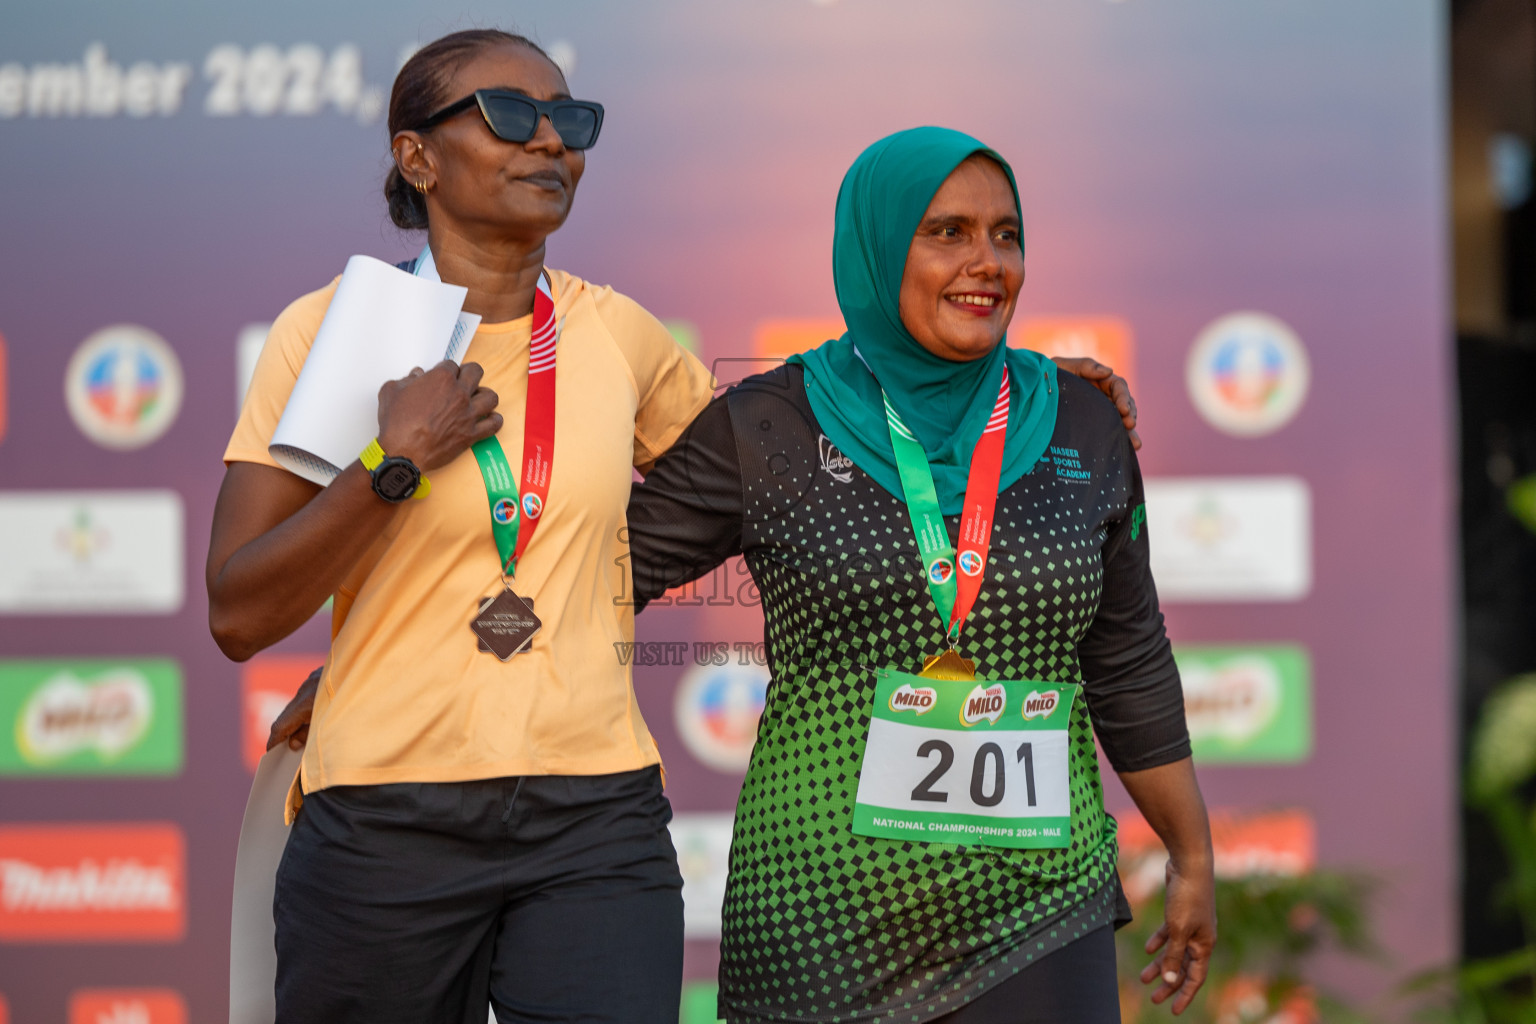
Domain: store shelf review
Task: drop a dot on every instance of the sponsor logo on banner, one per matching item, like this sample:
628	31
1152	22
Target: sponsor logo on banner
127	1006
984	703
1247	704
833	462
267	683
1105	338
717	709
503	510
248	346
91	717
1245	844
91	552
92	883
123	387
909	698
970	562
1231	538
780	339
1041	705
940	570
703	844
532	506
1247	374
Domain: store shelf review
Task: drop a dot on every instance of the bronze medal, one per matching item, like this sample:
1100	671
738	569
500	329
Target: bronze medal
505	624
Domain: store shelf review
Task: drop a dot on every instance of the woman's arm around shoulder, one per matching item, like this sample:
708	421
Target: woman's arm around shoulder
685	518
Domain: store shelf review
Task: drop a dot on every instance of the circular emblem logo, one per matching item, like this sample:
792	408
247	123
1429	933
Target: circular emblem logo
503	511
970	562
941	570
532	506
1247	374
717	708
123	387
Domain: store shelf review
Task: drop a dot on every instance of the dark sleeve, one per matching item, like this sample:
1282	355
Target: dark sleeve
1131	682
685	517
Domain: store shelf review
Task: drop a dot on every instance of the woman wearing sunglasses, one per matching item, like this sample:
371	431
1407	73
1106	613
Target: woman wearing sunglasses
475	824
472	829
921	834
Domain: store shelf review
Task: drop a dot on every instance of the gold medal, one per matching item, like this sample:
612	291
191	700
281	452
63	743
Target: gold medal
948	665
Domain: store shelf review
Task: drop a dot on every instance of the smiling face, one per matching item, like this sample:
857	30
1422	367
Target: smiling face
965	265
481	186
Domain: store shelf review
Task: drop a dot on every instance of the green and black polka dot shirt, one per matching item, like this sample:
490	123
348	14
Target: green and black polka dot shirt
824	925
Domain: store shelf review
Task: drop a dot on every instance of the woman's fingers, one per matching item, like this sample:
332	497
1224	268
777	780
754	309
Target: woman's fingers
292	723
1156	940
487	426
1083	366
469	375
1112	384
483	402
1194	977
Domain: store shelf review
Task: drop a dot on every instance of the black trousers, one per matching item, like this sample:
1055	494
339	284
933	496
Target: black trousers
1073	985
552	898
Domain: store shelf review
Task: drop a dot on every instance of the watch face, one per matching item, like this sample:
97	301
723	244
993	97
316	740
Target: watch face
396	481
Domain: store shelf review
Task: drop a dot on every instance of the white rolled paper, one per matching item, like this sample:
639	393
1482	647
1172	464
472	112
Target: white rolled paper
382	323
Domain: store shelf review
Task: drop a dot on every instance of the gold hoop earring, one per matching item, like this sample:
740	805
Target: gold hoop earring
422	187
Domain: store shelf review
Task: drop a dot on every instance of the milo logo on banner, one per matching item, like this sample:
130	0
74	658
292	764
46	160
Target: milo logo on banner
1248	704
984	704
91	717
920	699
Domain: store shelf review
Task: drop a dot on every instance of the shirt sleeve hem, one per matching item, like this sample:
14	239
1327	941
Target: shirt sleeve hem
1151	759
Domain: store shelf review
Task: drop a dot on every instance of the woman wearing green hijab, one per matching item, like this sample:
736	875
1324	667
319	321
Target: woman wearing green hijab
950	541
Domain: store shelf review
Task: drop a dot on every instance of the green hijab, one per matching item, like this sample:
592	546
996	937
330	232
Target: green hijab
945	404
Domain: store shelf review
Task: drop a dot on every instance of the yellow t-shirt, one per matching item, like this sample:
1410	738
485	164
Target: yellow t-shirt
406	696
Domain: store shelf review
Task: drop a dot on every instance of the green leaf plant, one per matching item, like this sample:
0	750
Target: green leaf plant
1501	763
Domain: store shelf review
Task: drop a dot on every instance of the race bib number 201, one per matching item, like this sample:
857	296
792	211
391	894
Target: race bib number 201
979	763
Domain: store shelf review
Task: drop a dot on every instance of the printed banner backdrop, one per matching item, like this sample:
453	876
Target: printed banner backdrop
1240	205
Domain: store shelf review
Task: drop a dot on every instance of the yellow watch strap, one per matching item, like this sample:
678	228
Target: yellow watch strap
374	454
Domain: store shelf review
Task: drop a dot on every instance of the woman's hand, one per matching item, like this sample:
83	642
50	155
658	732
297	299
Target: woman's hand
1169	797
281	545
1109	382
431	416
1188	932
292	723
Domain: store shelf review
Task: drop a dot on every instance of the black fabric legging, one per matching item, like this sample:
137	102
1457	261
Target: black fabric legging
1074	985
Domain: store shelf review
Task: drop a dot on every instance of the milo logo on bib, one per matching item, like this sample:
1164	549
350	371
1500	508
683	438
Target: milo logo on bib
984	704
1041	705
914	698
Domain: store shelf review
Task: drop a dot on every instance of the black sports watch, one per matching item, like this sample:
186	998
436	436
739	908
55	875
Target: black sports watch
395	478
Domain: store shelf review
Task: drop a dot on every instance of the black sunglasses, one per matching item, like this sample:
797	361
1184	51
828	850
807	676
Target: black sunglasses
515	117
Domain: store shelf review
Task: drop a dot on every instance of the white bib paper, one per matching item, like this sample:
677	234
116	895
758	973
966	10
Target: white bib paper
982	762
